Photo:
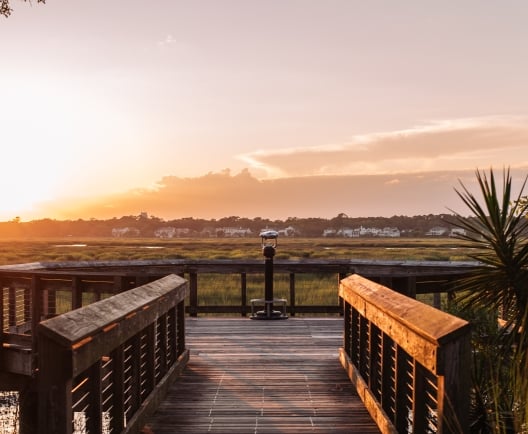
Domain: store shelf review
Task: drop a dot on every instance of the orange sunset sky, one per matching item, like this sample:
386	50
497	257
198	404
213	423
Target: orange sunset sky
275	108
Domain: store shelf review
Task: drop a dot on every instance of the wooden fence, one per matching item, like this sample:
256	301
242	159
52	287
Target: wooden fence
409	361
104	367
83	282
30	293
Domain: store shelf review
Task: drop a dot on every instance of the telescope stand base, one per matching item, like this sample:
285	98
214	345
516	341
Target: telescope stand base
268	312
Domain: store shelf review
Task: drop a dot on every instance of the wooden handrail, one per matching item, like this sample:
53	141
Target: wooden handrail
106	365
408	360
98	278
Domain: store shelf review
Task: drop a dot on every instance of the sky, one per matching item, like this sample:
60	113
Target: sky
276	108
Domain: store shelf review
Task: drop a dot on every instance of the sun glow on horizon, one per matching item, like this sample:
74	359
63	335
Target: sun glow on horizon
59	140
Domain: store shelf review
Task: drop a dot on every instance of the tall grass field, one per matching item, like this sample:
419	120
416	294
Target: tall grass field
13	251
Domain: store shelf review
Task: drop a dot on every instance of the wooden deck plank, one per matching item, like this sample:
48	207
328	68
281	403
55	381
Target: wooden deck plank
263	377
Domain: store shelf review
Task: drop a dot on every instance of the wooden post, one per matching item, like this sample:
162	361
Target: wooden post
243	294
453	384
55	413
437	300
386	281
28	408
411	286
292	294
94	421
36	311
193	296
76	292
340	276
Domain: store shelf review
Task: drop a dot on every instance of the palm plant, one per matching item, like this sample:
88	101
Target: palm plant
498	232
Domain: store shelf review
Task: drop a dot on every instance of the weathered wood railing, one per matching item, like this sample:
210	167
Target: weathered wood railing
409	361
30	293
30	296
84	282
104	367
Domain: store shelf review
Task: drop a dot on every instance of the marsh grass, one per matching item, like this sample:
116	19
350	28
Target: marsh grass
13	251
224	289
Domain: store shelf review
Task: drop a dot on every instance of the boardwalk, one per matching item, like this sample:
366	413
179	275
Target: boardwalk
249	376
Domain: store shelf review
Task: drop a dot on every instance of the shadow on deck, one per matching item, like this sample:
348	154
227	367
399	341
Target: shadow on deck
248	376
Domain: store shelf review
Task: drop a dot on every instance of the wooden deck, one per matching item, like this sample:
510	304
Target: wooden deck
251	376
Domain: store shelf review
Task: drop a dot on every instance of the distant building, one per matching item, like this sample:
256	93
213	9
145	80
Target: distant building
389	233
290	231
362	232
171	232
348	233
125	232
455	232
437	231
233	232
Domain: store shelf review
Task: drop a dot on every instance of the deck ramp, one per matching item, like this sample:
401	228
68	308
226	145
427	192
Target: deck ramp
280	376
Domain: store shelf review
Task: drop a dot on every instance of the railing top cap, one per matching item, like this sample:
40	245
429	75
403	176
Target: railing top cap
96	266
379	303
78	324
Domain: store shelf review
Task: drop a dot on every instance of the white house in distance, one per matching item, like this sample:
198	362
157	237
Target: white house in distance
456	232
436	231
362	232
125	232
348	233
287	232
390	233
171	232
233	232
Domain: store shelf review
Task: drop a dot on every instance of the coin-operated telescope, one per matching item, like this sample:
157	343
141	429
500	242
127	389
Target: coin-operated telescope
269	244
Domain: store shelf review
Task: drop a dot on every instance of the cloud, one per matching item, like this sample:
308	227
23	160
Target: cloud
458	144
217	195
406	172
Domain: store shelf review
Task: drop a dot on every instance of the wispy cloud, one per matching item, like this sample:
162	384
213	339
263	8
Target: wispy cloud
458	144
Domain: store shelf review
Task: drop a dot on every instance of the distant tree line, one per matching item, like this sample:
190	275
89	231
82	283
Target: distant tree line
146	226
